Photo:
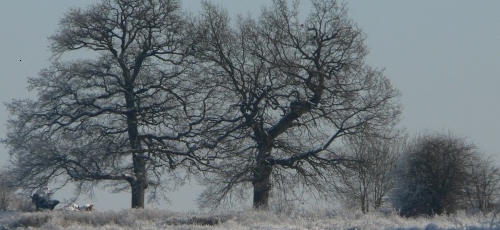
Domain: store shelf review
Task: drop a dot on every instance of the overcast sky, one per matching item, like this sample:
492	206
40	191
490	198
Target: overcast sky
444	56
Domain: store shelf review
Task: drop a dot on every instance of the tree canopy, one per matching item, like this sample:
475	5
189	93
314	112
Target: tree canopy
251	103
292	89
122	115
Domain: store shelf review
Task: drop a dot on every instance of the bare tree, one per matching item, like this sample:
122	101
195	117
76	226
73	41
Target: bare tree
291	88
483	185
367	180
433	175
121	117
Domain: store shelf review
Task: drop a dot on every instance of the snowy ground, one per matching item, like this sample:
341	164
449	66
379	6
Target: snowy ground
155	219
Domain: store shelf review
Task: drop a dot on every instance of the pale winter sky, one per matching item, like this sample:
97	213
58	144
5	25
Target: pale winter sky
444	56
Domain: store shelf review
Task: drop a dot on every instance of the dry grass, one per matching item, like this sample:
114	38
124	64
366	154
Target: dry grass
319	219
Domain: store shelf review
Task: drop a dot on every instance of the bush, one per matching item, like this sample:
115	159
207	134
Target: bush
22	203
433	175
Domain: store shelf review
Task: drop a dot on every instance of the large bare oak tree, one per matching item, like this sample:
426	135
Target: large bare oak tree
122	116
292	88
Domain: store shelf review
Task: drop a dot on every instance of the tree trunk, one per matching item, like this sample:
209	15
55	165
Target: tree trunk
139	185
138	192
261	187
262	180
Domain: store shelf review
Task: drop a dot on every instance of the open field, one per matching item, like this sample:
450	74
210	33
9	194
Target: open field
321	219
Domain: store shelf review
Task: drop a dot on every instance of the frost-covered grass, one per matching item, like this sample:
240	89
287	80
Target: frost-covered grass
319	219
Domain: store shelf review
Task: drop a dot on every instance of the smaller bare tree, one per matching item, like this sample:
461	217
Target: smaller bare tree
367	180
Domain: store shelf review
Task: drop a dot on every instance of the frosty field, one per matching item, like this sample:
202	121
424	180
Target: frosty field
159	219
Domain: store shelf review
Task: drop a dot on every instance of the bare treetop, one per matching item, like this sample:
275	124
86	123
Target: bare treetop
146	28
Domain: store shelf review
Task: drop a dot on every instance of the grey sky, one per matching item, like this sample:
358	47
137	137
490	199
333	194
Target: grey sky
444	56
